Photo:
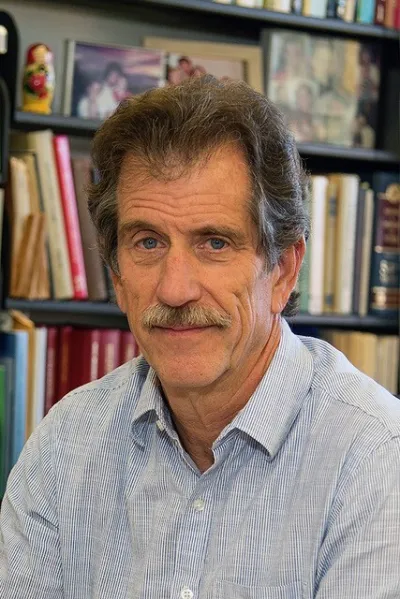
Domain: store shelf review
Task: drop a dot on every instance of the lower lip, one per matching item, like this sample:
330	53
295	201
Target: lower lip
182	332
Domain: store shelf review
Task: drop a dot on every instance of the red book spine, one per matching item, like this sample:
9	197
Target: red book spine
397	15
109	350
84	366
64	359
380	12
70	211
128	347
51	362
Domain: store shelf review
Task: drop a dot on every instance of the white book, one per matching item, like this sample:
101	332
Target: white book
319	189
42	143
39	376
315	8
250	3
345	242
281	6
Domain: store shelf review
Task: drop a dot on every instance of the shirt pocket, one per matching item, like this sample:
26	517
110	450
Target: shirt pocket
231	590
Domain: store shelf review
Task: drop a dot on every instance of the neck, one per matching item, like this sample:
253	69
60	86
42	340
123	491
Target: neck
199	416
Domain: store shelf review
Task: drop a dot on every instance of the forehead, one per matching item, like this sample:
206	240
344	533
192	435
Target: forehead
220	185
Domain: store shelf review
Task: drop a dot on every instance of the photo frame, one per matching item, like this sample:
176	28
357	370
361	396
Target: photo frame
249	57
100	76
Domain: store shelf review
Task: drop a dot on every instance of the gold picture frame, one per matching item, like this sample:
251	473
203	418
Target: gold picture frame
250	56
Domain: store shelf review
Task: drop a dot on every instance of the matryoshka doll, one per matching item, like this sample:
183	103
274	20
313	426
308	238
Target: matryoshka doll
38	80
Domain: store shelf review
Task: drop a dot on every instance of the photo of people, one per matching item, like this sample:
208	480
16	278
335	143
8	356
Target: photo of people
326	87
180	67
99	77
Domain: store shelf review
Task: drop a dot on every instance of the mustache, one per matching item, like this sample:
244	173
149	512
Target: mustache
167	316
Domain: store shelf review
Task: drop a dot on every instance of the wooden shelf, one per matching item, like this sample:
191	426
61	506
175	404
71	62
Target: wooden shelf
262	18
99	314
82	127
58	123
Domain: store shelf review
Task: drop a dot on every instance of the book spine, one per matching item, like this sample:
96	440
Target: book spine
380	8
385	280
397	15
360	223
350	11
20	394
366	253
109	351
64	363
330	248
390	10
331	9
297	7
366	11
340	8
50	392
318	219
70	210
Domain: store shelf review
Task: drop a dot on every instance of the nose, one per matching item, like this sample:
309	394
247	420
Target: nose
179	281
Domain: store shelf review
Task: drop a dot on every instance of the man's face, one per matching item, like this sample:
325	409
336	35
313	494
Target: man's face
191	242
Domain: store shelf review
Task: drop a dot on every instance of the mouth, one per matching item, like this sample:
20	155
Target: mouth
181	330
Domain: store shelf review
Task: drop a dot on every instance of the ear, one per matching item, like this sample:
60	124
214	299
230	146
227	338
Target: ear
119	291
286	274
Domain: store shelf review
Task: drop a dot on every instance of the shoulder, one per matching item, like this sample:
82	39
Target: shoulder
343	389
94	407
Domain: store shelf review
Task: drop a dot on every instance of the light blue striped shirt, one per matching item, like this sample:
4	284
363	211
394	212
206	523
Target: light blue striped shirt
303	499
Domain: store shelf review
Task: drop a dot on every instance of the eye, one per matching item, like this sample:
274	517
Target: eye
217	244
148	243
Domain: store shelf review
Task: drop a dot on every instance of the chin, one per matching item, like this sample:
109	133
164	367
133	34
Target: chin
190	374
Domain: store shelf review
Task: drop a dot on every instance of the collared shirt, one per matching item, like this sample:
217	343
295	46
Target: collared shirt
302	501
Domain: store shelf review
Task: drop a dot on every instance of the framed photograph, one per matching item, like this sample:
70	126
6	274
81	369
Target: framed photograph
99	77
190	59
327	87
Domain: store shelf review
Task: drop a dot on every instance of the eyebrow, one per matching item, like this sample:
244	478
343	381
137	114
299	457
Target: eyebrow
238	237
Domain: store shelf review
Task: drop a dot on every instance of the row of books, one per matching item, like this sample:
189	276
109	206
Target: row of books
375	355
39	365
378	12
53	241
352	259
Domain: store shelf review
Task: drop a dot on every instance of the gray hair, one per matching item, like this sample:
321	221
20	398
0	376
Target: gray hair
171	129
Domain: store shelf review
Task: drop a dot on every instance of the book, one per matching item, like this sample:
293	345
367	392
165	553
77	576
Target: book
331	9
319	186
380	7
390	11
326	87
385	281
64	352
51	369
84	360
364	267
347	199
14	345
366	11
277	5
330	248
97	291
315	8
109	351
39	376
21	322
297	7
42	143
70	211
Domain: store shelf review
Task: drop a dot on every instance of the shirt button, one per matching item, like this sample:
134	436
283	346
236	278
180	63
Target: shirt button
160	425
198	505
186	593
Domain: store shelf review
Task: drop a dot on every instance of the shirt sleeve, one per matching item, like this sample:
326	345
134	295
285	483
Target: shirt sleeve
30	562
360	555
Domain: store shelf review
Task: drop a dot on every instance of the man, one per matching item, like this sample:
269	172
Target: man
233	459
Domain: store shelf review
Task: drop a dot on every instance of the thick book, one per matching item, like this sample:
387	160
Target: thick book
366	11
380	8
70	211
14	345
345	241
42	143
385	280
84	364
97	290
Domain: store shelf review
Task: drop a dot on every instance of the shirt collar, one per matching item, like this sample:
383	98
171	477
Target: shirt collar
272	409
268	415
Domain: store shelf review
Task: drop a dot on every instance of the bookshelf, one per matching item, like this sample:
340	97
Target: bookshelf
262	18
102	314
199	19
